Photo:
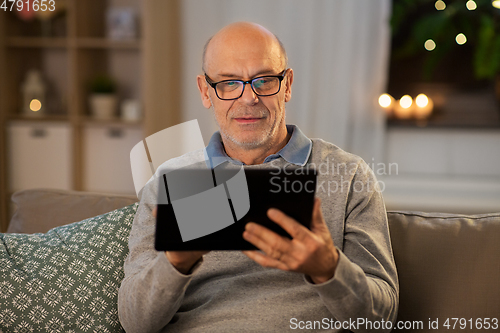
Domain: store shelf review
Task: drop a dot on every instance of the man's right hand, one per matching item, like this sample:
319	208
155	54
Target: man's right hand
183	261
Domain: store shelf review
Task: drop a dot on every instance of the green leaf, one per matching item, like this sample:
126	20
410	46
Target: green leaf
102	84
434	58
432	26
487	55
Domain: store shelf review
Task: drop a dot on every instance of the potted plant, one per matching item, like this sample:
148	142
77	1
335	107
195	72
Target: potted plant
103	100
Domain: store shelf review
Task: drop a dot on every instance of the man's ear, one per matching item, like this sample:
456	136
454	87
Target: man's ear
288	85
203	88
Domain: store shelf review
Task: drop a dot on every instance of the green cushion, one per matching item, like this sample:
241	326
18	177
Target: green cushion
66	280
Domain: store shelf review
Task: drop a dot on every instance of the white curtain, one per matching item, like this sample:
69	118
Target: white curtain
338	50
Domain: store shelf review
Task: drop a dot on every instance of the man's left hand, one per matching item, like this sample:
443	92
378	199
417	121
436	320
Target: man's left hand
310	252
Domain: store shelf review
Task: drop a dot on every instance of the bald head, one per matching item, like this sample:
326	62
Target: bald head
242	36
252	126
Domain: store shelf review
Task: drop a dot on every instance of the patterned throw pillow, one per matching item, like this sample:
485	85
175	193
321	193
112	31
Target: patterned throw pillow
66	280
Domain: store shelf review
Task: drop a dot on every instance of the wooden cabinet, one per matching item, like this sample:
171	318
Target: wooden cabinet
76	48
106	156
39	155
65	147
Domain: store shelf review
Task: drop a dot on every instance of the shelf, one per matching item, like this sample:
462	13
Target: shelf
84	120
110	122
55	27
105	43
85	43
30	42
460	120
44	118
69	55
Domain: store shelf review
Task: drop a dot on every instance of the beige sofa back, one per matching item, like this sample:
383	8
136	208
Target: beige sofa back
39	210
448	265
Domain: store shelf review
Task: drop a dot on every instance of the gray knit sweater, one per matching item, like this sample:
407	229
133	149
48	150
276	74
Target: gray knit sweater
228	292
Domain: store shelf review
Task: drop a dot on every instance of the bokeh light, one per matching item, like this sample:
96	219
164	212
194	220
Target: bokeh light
429	45
406	101
471	5
461	39
35	105
440	5
385	100
422	100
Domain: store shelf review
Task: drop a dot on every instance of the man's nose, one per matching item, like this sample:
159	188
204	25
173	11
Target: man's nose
249	96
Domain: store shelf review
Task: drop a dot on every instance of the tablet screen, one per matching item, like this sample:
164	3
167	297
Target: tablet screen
207	209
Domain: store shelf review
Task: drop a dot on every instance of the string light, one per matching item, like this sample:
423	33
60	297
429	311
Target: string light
496	4
440	5
461	39
429	45
471	5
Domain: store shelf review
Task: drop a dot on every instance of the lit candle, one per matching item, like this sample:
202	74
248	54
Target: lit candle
404	108
424	106
386	102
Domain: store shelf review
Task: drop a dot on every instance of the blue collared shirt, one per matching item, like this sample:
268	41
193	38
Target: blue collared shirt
296	151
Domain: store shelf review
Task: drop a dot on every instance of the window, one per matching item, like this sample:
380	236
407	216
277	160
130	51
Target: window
449	51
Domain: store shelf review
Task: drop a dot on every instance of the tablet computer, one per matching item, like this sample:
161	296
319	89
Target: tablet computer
207	209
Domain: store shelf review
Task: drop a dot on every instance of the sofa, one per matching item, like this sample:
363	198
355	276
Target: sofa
61	265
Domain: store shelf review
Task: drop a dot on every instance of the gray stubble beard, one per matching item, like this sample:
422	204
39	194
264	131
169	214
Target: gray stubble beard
253	144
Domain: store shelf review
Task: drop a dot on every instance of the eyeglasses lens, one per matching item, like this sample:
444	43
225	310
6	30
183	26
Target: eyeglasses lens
262	86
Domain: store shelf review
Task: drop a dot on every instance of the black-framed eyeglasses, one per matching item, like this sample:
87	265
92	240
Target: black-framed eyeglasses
267	85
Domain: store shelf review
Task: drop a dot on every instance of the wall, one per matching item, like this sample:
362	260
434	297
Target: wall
448	170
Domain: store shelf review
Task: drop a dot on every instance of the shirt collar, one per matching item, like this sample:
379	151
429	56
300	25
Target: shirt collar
296	151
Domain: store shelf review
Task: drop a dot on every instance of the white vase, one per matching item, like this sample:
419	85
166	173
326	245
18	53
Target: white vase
103	106
130	110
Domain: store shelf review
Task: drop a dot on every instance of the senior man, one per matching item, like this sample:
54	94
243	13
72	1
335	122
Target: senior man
338	275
